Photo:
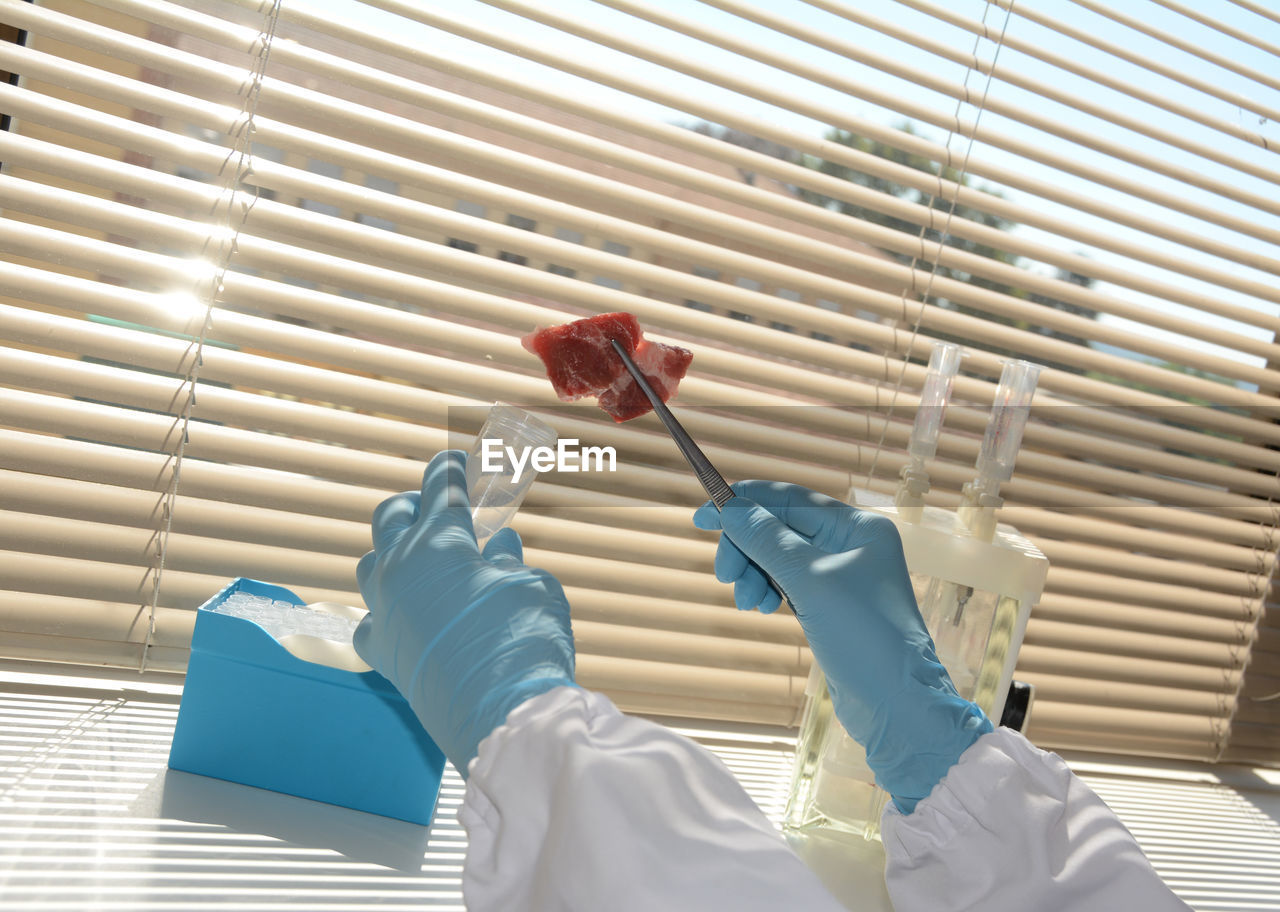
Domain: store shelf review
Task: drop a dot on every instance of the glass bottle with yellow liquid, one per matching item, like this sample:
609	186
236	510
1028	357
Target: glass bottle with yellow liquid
975	582
975	597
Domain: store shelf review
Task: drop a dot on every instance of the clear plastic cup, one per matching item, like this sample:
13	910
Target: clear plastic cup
501	465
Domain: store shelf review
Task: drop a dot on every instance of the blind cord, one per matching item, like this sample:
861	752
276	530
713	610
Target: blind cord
1265	580
946	225
233	207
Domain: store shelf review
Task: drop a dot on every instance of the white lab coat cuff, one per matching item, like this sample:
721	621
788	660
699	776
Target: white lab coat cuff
572	805
1011	829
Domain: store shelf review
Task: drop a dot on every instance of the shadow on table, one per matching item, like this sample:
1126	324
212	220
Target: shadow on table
312	824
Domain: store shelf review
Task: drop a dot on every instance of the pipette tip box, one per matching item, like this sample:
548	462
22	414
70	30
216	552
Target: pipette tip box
255	714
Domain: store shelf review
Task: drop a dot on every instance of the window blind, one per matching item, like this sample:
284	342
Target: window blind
1255	730
261	260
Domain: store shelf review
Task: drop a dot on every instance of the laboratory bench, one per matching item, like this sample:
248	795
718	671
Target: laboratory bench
91	818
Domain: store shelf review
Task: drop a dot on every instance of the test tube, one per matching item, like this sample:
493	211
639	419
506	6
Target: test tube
501	465
1008	419
1000	445
944	363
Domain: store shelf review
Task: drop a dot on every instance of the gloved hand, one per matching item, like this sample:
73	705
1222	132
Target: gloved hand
465	637
844	573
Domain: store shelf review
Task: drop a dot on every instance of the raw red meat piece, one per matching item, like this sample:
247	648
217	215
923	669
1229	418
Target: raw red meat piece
580	361
662	365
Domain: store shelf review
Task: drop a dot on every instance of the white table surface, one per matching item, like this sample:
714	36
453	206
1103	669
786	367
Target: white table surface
92	819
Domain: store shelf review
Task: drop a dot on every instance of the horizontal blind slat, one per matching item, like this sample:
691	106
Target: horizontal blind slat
1220	551
1238	33
1154	227
1195	745
110	504
1065	635
33	614
331	66
14	191
160	433
749	160
827	114
1219	390
1084	582
1060	61
1122	51
607	673
1059	689
1106	720
74	650
381	396
297	494
1125	562
1105	615
479	341
85	540
29	615
761	305
320	423
81	578
919	76
152	472
686	706
1035	659
1168	38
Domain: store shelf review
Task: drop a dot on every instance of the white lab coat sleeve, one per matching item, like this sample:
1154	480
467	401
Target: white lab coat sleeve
1011	829
572	805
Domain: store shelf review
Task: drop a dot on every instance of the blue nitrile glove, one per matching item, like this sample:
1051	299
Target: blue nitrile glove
844	573
465	637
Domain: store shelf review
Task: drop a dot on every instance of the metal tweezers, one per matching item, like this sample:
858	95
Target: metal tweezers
712	481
